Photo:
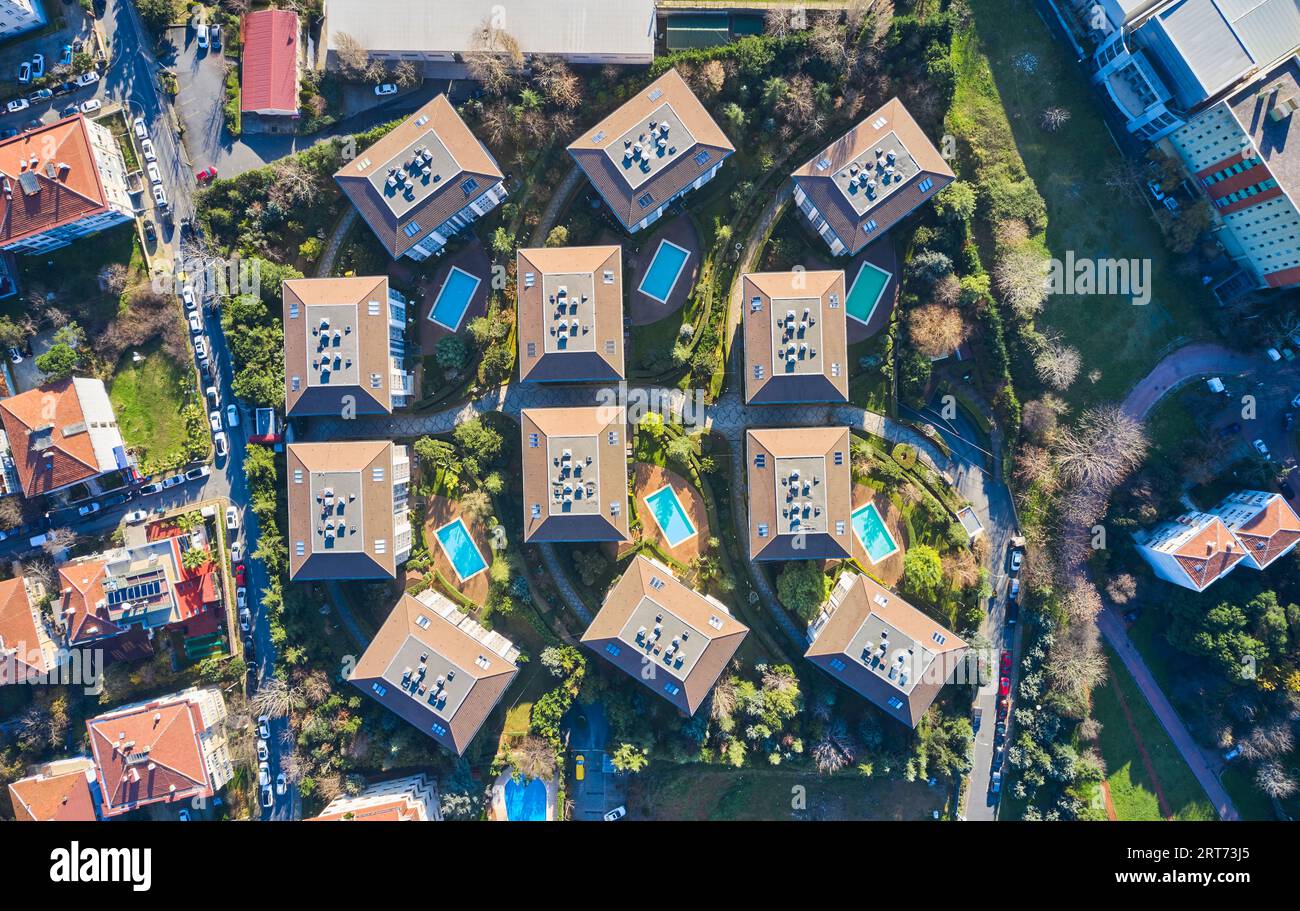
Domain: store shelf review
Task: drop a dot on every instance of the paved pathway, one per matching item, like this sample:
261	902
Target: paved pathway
341	229
560	576
557	201
1112	627
1181	367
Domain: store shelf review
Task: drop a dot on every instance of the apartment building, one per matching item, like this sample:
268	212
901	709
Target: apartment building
27	650
800	493
62	791
796	337
410	799
570	314
575	474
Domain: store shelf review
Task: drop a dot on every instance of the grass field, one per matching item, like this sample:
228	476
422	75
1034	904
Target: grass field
148	399
703	792
1132	789
1084	215
72	274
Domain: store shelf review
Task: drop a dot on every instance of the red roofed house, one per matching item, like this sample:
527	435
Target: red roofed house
59	182
269	83
62	434
61	791
119	600
411	799
161	751
26	648
1251	528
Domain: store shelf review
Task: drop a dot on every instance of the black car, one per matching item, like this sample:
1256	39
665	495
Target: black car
8	133
150	231
1287	490
1013	612
65	88
69	111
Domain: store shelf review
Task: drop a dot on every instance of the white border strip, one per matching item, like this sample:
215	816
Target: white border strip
468	300
680	269
459	520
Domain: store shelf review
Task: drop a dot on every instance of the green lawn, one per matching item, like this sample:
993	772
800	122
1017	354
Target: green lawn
72	274
1131	787
148	398
1084	215
706	792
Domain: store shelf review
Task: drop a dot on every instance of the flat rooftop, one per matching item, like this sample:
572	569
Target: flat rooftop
672	644
336	498
650	145
801	495
869	179
797	336
412	175
569	311
429	677
890	653
574	475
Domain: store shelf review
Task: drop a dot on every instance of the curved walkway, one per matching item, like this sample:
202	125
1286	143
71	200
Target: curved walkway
341	229
1181	367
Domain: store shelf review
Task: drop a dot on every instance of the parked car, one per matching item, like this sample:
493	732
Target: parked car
93	105
205	175
214	419
201	349
18	104
995	783
976	715
86	79
1006	662
263	753
615	814
89	509
1004	686
24	72
196	325
1232	753
1017	559
38	66
155	176
241	597
245	620
201	471
1260	447
579	767
281	784
241	574
1231	430
187	295
40	95
136	516
232	518
65	55
174	481
150	231
1013	614
8	133
202	35
386	89
146	149
70	111
211	393
263	774
1013	590
236	551
1287	490
183	815
222	444
65	88
141	131
159	195
232	415
214	36
267	800
15	356
149	489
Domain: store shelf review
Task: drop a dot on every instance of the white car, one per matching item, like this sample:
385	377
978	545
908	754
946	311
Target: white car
232	518
24	72
155	176
91	106
263	754
15	356
159	195
201	471
241	598
89	509
232	415
386	89
196	325
281	784
1260	448
202	35
264	727
211	393
214	418
263	774
18	104
38	66
146	147
136	516
245	620
187	295
174	481
236	552
86	79
222	444
140	129
201	349
616	813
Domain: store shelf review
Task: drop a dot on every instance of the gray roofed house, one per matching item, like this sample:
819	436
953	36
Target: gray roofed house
883	648
436	668
658	146
423	182
673	639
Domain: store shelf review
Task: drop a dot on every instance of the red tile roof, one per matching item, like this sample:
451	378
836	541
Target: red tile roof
53	798
1272	532
72	193
270	61
1209	554
69	458
18	631
149	753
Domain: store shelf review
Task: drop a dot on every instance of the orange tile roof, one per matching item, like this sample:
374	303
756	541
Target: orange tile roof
149	753
72	193
1273	531
18	630
53	798
69	458
820	372
1209	554
269	62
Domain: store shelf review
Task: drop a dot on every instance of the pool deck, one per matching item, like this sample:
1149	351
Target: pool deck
497	812
890	569
647	479
471	258
881	253
642	309
439	511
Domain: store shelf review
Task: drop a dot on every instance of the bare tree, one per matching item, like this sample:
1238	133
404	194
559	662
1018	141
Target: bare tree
1125	175
275	698
713	76
1105	446
1275	781
494	58
1052	119
936	330
534	757
1057	363
407	75
112	278
1021	276
1076	664
1035	467
557	82
353	58
58	540
11	513
1039	417
292	183
496	123
1267	741
1121	588
1082	602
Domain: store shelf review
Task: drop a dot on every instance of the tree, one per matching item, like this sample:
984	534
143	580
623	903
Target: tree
157	14
1057	364
534	757
58	540
195	558
407	75
11	513
735	117
935	330
923	572
352	57
956	202
1053	118
476	504
59	362
591	564
1021	274
629	758
478	441
451	353
1105	445
275	698
494	58
802	588
1121	588
1274	780
558	237
561	87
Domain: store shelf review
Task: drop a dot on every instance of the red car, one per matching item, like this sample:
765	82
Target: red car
239	575
1004	686
206	174
1006	662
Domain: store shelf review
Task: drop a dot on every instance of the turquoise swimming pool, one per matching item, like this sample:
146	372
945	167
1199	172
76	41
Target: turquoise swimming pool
868	288
460	549
872	532
670	516
453	299
665	269
525	800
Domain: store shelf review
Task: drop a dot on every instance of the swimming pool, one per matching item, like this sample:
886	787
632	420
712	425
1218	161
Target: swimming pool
453	299
665	269
461	549
670	516
868	288
525	800
871	531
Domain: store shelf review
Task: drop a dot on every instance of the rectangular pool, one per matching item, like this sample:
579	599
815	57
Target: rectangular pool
871	531
460	549
670	516
453	299
868	288
666	267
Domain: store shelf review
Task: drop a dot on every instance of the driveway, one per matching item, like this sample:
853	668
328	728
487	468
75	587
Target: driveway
601	789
